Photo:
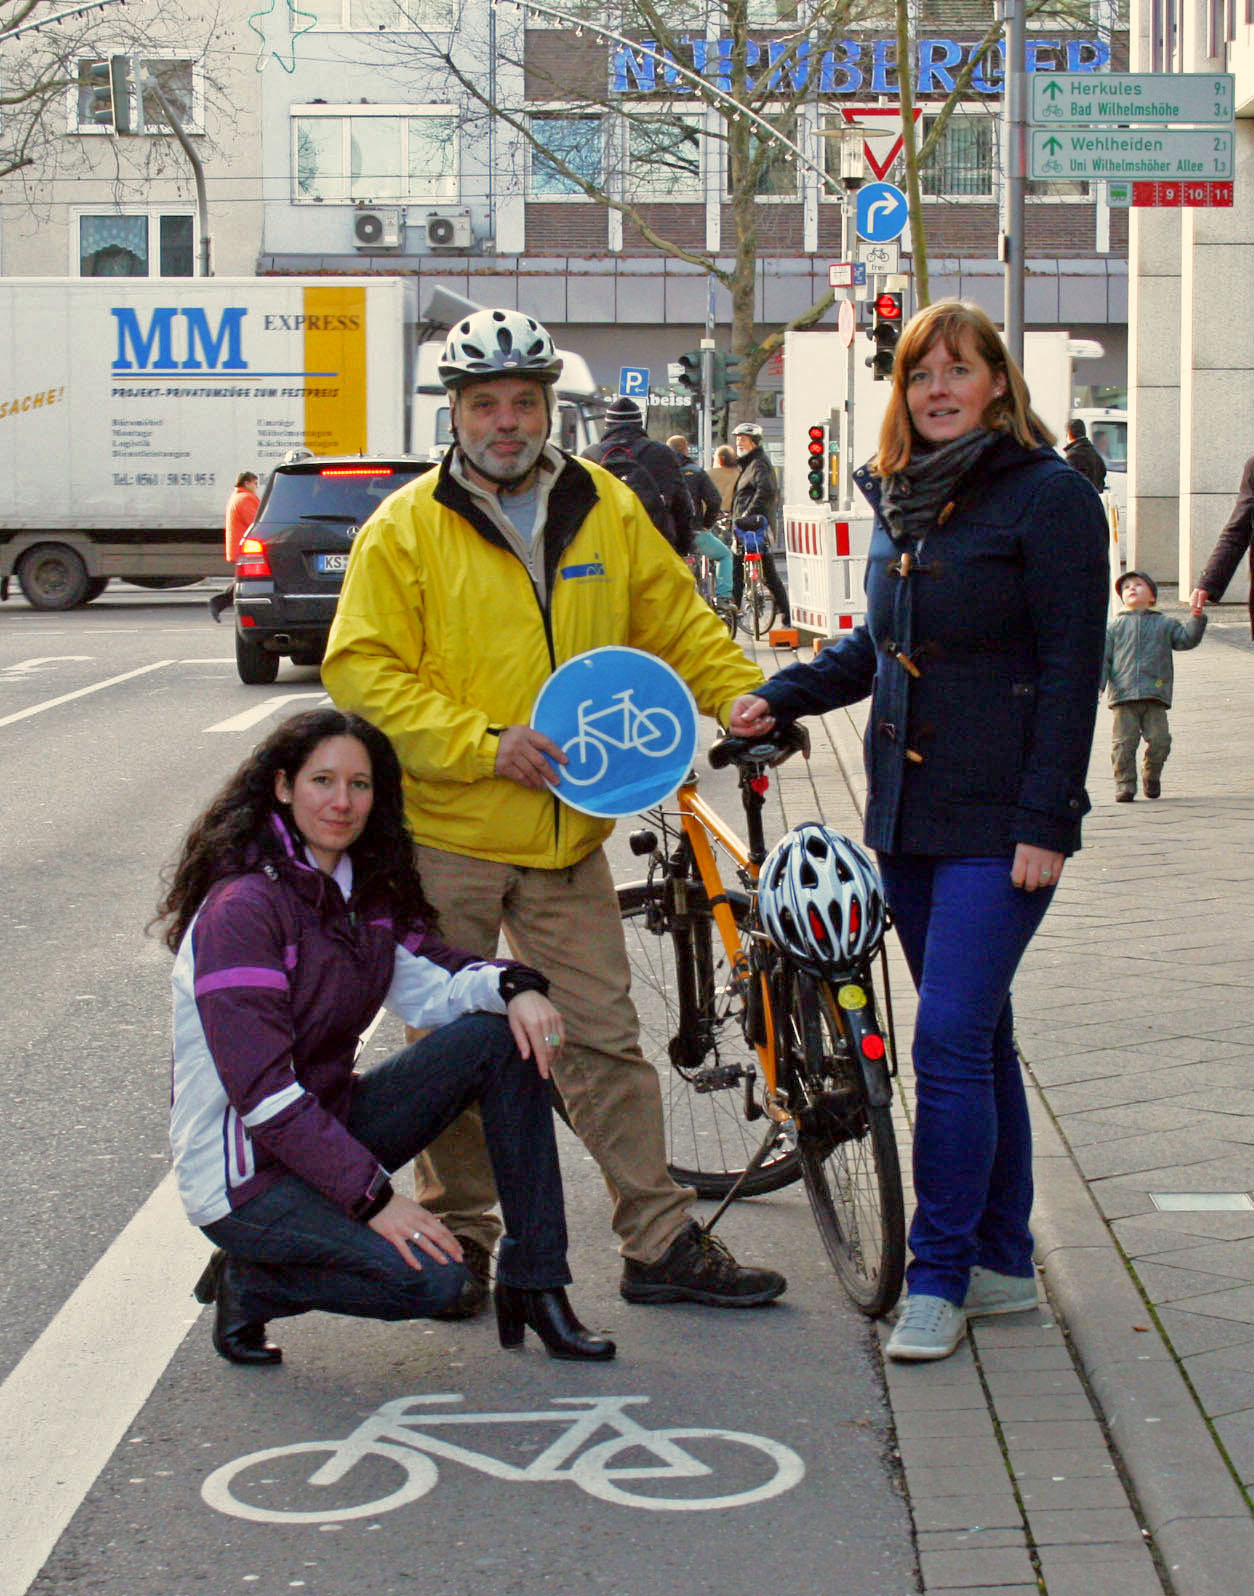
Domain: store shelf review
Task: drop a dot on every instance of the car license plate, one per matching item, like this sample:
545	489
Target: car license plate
332	562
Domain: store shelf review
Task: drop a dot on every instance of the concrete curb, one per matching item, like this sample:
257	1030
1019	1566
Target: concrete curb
1191	1504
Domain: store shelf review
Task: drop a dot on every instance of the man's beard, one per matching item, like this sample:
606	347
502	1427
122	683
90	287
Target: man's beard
522	466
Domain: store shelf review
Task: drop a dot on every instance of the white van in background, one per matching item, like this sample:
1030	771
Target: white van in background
576	418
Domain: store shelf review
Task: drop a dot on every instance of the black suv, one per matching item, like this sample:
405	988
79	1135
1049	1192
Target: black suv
293	558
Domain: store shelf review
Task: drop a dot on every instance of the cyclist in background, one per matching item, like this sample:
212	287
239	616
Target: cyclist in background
464	591
706	509
241	512
757	493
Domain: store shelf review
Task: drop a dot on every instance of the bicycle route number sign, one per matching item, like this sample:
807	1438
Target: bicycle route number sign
627	725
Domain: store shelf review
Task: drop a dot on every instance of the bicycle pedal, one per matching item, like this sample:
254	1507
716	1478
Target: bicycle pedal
717	1078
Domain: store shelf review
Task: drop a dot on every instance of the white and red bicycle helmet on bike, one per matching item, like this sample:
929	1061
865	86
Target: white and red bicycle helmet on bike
820	898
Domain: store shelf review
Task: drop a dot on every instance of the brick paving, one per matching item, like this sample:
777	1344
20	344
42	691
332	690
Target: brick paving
1103	1445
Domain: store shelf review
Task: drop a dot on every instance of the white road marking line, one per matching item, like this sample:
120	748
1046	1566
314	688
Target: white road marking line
26	667
67	1404
96	687
249	718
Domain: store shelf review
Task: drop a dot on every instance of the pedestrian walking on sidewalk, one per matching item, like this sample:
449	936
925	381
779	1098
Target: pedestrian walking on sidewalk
987	585
1236	537
1138	670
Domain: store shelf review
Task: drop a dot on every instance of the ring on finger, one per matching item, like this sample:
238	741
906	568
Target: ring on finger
553	1040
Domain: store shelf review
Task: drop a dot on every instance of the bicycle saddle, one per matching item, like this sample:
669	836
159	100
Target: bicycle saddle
772	748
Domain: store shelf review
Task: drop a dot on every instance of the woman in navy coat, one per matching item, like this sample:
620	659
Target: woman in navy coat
987	588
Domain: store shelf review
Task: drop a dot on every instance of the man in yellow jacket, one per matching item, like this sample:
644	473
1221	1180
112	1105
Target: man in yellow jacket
465	591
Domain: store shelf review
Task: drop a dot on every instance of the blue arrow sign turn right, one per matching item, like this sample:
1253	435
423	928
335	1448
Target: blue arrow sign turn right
882	212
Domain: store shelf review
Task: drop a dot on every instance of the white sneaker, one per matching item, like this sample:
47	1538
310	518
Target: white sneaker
929	1328
990	1293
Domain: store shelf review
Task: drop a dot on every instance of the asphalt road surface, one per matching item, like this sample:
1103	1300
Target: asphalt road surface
721	1452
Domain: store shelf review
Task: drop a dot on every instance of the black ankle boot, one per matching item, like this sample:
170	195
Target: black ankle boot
236	1338
552	1318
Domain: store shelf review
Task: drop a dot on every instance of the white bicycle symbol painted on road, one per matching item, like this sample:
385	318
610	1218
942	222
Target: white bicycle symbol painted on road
399	1433
655	732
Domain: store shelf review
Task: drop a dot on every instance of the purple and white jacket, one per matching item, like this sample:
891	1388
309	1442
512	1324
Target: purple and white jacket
276	979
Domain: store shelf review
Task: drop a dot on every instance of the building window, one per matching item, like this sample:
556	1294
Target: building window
373	16
777	178
961	164
388	154
575	141
663	158
176	79
133	245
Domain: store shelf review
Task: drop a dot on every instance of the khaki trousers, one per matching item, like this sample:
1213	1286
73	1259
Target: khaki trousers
1136	718
566	924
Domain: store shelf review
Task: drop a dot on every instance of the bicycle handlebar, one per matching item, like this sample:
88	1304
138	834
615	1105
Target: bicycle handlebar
775	746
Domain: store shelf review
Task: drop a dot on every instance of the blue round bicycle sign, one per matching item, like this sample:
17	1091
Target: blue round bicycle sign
627	725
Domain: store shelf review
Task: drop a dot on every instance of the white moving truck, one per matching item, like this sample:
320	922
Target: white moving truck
128	407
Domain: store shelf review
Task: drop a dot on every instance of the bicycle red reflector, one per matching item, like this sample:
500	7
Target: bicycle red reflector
873	1046
356	471
760	784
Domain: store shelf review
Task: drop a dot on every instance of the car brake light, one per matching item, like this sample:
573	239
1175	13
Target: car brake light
251	563
356	471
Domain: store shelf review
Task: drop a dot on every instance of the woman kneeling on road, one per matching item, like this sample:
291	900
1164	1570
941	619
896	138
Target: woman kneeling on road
295	912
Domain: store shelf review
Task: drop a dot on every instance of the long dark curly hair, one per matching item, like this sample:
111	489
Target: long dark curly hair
234	833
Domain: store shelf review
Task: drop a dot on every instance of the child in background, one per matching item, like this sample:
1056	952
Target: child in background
1138	669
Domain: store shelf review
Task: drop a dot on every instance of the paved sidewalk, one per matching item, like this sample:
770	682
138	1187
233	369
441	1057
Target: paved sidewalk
1104	1445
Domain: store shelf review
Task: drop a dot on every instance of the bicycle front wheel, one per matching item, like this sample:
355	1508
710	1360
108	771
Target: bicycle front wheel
848	1154
709	1140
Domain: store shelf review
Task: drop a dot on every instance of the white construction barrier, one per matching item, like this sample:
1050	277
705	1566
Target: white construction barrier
827	554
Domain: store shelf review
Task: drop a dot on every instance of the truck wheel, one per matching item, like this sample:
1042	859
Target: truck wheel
95	587
160	583
257	666
53	577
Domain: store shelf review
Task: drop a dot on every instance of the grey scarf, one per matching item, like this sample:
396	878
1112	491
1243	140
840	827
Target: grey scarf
912	501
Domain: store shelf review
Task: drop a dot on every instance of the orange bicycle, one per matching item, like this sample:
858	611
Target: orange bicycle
771	1071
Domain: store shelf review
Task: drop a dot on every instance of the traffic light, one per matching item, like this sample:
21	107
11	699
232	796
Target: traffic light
690	373
816	462
884	334
732	380
124	88
99	86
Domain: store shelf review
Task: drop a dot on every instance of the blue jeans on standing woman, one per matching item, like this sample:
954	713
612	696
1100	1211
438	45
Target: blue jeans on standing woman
964	929
291	1250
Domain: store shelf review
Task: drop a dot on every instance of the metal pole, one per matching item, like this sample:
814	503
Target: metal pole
151	86
706	432
1014	120
845	494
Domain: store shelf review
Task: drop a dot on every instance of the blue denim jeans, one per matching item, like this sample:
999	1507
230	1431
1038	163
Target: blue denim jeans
718	552
290	1249
964	928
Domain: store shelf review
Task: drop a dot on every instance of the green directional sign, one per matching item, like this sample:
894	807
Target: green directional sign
1068	99
1135	154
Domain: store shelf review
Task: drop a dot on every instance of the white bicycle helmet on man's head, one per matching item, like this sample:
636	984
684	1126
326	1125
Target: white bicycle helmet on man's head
498	343
748	429
820	898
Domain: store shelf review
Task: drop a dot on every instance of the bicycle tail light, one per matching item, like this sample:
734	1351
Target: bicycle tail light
252	563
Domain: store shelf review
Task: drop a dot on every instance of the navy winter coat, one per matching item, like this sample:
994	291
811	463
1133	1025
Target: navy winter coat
1002	613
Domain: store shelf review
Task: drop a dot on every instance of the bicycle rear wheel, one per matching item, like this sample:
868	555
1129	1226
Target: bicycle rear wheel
848	1153
761	607
709	1141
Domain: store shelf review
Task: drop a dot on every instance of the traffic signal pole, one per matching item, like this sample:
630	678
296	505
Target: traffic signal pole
1014	112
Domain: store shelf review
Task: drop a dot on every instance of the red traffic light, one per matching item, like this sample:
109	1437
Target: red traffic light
818	440
888	307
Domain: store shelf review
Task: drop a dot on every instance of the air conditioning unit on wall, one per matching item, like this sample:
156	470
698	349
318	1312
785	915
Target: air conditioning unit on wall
448	230
378	229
